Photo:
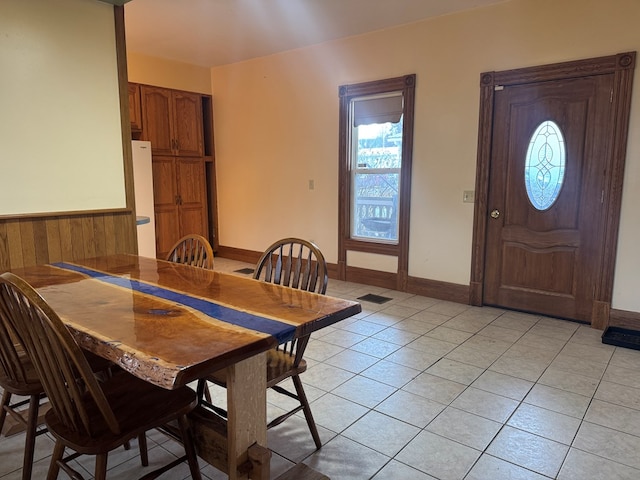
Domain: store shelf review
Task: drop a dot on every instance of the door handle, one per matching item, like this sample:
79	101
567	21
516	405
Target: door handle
495	213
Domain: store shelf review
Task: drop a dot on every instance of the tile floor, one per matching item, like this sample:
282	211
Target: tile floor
419	389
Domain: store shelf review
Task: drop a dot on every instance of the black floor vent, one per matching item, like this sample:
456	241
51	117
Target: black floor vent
370	297
246	271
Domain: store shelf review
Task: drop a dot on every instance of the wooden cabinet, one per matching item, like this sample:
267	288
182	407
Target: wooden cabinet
135	108
179	126
180	198
172	121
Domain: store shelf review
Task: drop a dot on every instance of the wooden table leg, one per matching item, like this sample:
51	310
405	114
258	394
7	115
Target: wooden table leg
246	412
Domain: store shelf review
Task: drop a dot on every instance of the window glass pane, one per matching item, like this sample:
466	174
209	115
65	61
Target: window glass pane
375	169
545	165
375	214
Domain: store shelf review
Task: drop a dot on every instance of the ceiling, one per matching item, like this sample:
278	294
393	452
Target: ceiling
218	32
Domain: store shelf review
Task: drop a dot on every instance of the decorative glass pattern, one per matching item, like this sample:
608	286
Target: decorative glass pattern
544	166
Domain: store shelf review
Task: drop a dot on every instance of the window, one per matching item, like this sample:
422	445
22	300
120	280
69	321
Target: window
376	142
544	165
375	166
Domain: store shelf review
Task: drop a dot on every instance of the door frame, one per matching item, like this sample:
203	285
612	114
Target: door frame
622	67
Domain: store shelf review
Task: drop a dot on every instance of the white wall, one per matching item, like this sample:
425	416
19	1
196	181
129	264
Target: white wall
277	127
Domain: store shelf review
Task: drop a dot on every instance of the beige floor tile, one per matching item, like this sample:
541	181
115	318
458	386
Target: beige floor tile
396	336
412	358
449	335
351	361
412	325
432	346
614	416
584	367
529	451
399	471
336	413
435	388
320	351
520	322
617	446
558	400
492	468
473	356
624	376
360	326
627	358
598	354
486	404
582	465
571	382
326	377
411	408
545	423
619	394
432	318
391	373
438	456
455	371
488	344
519	367
375	348
364	391
382	433
448	308
343	339
505	385
501	333
465	428
344	459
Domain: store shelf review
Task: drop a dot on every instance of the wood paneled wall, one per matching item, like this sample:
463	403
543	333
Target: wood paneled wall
29	240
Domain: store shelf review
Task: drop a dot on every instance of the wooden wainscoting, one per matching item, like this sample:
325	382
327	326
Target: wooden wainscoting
28	241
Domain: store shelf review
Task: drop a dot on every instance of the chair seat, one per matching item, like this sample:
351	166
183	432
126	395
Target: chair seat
280	365
153	406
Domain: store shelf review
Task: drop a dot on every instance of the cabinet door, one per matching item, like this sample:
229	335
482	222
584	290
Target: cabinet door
157	114
135	109
166	204
192	191
187	124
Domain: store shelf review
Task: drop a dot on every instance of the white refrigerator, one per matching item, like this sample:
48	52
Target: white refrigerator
143	185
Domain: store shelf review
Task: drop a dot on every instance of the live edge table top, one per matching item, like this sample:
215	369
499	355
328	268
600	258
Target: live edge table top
170	324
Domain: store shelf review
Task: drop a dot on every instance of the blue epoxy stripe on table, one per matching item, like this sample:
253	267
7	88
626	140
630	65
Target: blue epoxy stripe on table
282	331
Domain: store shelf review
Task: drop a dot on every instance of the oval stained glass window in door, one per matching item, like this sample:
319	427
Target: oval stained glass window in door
544	166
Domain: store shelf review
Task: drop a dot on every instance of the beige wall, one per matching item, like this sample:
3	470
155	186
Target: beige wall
167	73
276	127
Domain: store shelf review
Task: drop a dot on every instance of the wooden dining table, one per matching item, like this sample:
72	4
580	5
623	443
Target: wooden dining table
171	324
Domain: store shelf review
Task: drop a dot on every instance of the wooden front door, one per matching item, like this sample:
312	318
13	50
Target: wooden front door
548	233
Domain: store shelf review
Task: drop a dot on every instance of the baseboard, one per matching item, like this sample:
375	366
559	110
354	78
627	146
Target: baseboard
451	292
624	319
239	254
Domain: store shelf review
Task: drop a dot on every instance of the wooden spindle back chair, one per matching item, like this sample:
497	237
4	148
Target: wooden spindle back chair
19	377
194	250
295	263
88	417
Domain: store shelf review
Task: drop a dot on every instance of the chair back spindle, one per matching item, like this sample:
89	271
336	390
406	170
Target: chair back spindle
295	263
